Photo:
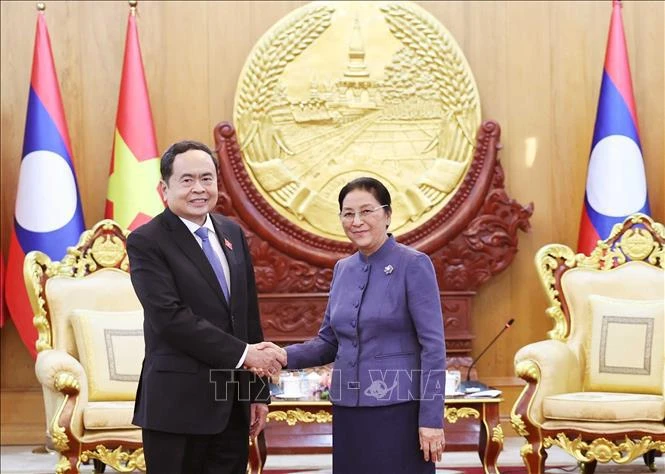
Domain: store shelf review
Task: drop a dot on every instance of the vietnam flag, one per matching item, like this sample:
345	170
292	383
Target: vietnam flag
133	197
48	215
616	184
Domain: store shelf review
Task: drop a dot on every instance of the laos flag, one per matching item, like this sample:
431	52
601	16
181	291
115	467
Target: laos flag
616	184
48	214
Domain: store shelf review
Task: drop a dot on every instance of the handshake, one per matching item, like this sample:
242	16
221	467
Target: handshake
265	358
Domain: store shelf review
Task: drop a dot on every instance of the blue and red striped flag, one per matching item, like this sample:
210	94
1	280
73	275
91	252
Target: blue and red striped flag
616	184
48	215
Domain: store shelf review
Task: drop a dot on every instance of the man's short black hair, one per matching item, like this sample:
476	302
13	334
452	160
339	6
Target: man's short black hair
166	164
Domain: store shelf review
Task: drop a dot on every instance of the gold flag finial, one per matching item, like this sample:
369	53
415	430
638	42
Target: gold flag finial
132	6
41	6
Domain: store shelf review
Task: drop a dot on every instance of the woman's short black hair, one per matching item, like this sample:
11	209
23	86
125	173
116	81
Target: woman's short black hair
166	164
372	186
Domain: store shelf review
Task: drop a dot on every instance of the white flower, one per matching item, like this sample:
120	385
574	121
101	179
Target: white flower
388	269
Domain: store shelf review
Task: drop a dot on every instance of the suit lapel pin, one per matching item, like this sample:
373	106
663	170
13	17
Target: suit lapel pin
388	269
228	244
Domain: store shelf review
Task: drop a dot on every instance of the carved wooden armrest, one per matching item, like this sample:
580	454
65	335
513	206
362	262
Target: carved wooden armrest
549	368
65	394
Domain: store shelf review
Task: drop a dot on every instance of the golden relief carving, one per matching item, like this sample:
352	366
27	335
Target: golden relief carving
58	434
547	260
518	425
341	89
603	450
99	246
108	251
35	265
122	460
528	370
637	244
63	465
497	434
67	383
453	414
294	416
526	449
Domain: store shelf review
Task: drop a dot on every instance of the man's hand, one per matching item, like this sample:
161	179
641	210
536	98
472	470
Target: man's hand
259	413
432	443
265	358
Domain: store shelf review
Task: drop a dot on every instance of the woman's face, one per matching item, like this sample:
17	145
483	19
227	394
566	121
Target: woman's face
364	221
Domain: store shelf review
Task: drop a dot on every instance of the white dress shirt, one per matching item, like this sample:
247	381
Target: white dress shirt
217	248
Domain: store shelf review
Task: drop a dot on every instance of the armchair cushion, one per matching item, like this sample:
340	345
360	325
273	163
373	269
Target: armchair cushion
108	289
604	428
626	349
108	416
111	350
604	406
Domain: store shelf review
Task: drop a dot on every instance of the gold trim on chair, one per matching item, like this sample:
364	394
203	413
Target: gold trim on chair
603	450
625	242
518	424
122	460
63	465
100	247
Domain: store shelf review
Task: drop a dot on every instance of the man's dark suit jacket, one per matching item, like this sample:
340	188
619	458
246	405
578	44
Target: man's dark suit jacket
193	338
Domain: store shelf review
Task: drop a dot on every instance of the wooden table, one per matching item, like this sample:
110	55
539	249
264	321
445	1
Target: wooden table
304	427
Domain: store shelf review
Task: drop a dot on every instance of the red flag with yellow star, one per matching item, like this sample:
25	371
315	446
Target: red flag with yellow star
133	197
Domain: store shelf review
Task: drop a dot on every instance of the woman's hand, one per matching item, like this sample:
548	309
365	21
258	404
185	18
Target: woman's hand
432	443
258	413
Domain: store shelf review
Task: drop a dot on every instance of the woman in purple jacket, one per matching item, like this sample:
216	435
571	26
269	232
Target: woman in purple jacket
383	329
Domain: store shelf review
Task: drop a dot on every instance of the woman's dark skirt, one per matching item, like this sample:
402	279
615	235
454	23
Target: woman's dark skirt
378	440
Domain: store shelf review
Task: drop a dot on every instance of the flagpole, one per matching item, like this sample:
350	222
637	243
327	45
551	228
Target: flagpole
133	197
616	185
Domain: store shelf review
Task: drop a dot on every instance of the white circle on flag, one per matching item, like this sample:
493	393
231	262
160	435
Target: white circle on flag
616	184
46	197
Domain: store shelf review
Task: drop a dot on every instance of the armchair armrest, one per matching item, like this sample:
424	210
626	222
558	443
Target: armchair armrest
549	368
62	378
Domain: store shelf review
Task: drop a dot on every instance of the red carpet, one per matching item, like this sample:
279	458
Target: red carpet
636	468
455	470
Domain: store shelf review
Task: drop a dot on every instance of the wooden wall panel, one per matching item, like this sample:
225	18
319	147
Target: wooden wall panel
538	67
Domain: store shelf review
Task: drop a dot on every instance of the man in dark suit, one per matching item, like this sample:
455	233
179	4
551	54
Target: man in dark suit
193	274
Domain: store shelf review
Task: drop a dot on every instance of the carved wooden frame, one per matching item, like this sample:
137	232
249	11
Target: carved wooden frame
472	238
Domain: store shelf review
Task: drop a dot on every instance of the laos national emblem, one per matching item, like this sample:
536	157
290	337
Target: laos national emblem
337	90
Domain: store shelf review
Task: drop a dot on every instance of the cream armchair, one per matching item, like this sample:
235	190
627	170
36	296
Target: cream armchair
90	350
595	388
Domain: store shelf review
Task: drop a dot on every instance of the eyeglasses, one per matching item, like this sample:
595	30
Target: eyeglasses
349	216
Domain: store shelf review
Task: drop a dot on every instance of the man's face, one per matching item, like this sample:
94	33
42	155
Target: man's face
191	191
